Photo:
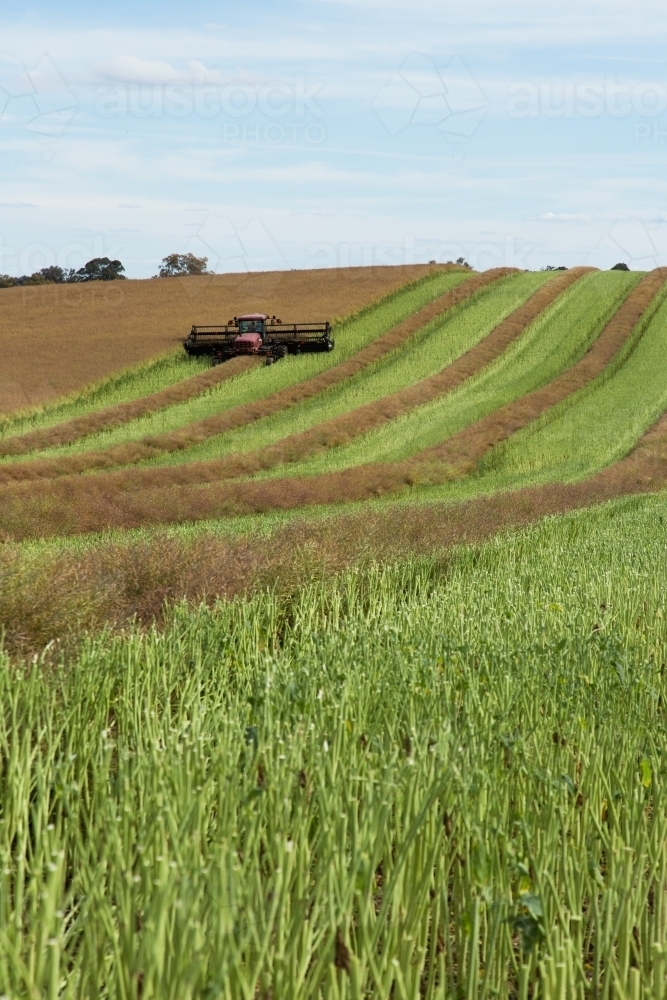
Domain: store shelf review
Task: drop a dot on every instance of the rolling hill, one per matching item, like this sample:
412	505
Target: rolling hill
58	339
345	677
453	384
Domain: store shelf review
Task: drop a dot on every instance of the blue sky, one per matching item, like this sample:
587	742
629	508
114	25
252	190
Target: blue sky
317	133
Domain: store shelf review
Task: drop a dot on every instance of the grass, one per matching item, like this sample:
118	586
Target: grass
101	327
351	336
408	781
427	352
553	342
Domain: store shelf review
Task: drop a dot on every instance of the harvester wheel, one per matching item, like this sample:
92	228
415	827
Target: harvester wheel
329	344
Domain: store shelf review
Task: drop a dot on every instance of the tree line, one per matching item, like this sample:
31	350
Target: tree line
103	269
98	269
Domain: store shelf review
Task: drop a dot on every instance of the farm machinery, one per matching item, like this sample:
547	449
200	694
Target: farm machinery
258	334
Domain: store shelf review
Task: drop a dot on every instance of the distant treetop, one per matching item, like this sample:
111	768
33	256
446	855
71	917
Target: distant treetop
101	269
177	265
98	269
620	267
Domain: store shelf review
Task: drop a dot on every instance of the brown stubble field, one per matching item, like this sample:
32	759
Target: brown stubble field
56	339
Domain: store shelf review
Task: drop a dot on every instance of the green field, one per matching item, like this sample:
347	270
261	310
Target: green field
552	343
408	748
408	782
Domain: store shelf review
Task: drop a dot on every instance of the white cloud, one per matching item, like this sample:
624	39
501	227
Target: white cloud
564	217
131	69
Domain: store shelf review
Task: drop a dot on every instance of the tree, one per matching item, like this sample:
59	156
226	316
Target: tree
100	269
178	264
620	267
56	274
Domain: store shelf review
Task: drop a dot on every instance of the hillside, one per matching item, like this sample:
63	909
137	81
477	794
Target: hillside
56	339
345	677
456	383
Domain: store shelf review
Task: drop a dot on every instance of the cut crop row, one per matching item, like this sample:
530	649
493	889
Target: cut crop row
73	505
121	413
597	425
240	415
557	339
124	387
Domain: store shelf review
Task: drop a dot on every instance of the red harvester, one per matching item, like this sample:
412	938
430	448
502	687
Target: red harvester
257	333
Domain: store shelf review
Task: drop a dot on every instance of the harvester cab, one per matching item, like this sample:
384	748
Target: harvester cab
259	334
253	323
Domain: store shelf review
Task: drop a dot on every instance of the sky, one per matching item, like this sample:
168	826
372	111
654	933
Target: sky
319	133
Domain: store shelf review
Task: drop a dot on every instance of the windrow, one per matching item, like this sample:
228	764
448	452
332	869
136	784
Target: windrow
417	527
89	504
358	421
112	416
463	450
353	423
132	452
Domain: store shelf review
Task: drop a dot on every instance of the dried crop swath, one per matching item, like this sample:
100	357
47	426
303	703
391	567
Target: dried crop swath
225	410
103	419
557	339
129	384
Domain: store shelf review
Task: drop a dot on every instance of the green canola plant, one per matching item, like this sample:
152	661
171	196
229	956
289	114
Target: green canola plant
435	779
